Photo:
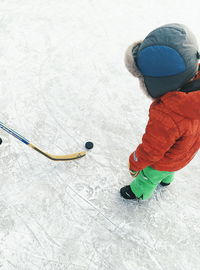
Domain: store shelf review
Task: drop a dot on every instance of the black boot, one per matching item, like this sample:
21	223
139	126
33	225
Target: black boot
164	184
127	193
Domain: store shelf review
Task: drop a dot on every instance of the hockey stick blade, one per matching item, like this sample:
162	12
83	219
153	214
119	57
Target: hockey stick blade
50	156
58	158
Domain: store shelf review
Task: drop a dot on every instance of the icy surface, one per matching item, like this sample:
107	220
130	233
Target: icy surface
62	83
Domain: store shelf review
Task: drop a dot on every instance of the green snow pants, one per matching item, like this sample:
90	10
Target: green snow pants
147	180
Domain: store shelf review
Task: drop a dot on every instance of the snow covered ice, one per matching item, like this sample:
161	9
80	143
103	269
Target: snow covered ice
62	83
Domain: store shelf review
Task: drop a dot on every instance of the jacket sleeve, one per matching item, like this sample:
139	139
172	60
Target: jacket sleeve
160	135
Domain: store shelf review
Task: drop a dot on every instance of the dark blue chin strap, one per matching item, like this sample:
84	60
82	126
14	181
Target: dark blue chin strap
191	86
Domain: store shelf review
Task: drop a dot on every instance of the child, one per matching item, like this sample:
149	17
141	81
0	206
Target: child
166	63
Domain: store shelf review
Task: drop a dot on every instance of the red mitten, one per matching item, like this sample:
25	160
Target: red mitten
132	172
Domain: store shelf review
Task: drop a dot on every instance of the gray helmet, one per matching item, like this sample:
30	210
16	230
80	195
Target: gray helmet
165	60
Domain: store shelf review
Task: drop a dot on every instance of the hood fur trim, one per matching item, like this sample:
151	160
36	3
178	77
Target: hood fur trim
130	64
129	59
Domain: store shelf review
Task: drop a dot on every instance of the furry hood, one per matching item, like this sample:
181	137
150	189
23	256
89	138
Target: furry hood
130	64
165	60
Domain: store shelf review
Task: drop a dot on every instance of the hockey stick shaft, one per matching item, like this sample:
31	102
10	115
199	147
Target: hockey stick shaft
50	156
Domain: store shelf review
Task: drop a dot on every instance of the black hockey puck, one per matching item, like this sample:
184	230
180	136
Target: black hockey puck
1	141
89	145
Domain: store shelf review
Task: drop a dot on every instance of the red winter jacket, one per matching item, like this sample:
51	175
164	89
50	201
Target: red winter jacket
172	135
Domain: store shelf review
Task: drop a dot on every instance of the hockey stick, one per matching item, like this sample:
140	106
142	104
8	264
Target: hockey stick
50	156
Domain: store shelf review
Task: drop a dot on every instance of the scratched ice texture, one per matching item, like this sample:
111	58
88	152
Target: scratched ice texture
62	83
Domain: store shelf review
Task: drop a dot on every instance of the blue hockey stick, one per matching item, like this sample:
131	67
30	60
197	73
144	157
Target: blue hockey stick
50	156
